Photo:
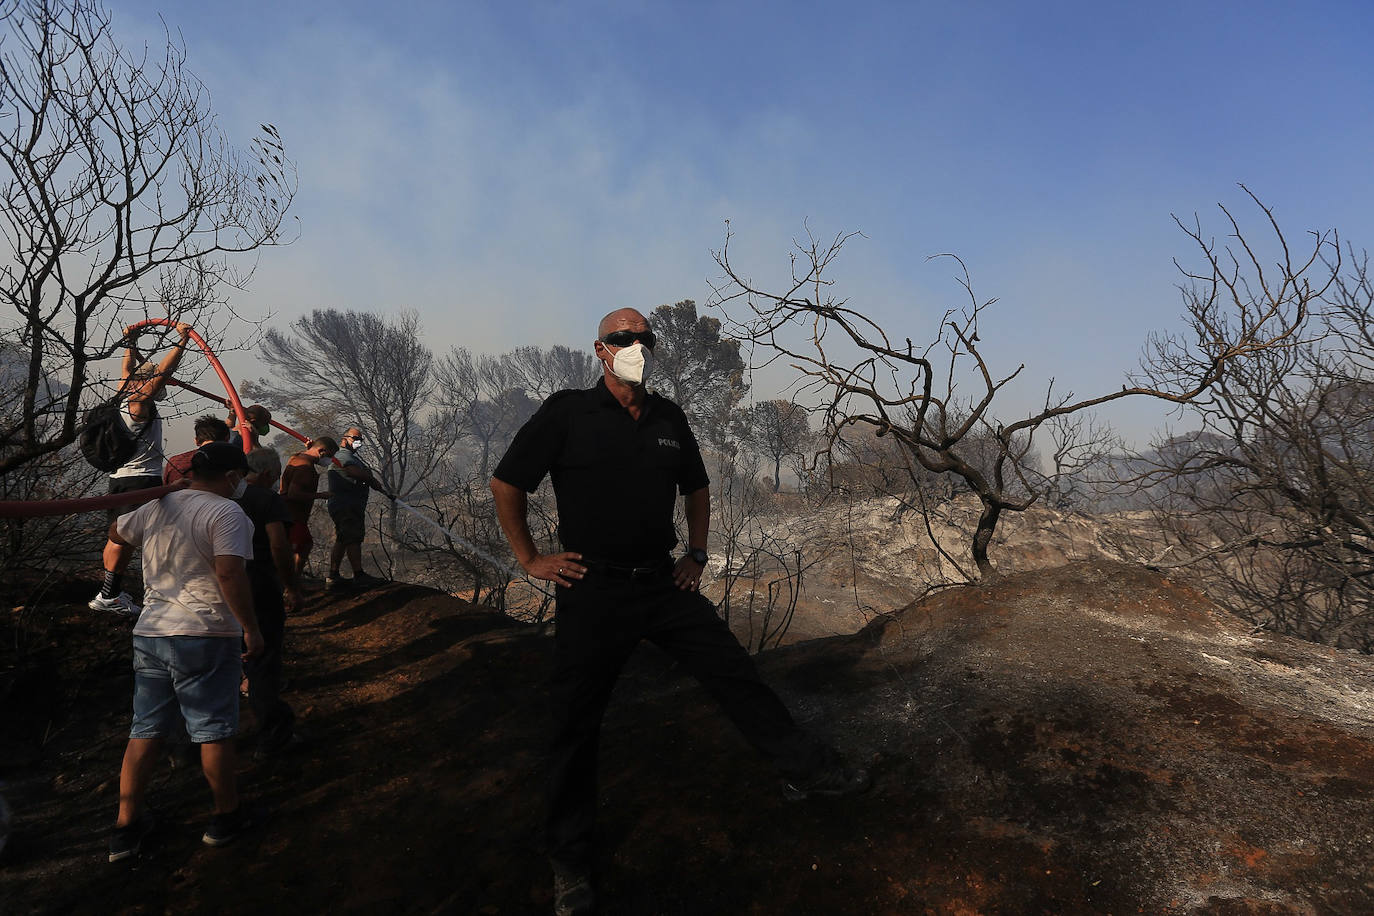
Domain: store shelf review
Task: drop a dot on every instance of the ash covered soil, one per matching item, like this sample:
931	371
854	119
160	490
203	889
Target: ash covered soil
1087	739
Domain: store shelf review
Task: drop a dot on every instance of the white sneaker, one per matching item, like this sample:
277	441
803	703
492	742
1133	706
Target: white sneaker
123	605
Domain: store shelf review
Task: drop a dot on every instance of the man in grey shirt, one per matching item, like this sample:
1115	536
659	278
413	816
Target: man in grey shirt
349	482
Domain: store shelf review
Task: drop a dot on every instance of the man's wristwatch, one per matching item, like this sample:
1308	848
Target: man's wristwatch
698	555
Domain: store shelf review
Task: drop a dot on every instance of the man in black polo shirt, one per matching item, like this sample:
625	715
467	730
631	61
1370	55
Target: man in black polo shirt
618	456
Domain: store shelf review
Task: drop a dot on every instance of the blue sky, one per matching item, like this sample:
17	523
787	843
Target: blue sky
514	170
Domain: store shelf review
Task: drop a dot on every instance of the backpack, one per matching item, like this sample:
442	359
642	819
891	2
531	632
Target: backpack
106	441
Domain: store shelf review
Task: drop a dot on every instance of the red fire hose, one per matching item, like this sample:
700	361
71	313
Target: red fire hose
214	397
37	508
245	428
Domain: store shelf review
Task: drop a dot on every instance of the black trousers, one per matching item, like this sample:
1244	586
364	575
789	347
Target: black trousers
599	622
276	720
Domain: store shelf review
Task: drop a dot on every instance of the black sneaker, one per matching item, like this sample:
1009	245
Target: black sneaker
337	584
573	894
125	842
226	828
833	783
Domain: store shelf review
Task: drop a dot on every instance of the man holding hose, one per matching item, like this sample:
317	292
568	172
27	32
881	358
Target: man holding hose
142	383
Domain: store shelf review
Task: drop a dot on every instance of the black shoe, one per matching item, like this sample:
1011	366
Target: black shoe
226	828
833	783
365	580
125	842
573	894
337	584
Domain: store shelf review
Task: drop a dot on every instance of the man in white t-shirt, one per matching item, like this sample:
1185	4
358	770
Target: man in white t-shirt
197	614
143	383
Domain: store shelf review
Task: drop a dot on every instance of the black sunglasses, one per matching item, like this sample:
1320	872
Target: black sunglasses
625	338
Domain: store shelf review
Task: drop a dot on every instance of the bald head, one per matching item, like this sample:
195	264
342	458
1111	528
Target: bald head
622	320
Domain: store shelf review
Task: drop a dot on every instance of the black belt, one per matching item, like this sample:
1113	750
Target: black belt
628	572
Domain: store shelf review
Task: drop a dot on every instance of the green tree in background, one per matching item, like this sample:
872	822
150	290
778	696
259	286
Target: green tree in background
699	370
777	430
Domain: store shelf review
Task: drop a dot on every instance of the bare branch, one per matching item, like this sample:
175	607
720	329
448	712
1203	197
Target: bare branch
119	200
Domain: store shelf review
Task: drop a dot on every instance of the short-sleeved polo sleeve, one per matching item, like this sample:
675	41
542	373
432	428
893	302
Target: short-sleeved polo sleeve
536	445
277	510
692	476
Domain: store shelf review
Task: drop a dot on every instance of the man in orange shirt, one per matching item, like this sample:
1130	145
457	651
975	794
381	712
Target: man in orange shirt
300	487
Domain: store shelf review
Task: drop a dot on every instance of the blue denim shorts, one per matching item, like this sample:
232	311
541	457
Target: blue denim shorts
198	675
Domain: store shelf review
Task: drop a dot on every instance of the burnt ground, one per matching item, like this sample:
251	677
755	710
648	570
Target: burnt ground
1091	739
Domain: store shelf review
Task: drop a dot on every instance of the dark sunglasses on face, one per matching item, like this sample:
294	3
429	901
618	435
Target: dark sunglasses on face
625	338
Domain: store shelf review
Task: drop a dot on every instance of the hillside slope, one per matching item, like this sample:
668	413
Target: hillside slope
1086	739
871	555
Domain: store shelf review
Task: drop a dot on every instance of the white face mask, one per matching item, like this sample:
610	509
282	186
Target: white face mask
239	489
633	363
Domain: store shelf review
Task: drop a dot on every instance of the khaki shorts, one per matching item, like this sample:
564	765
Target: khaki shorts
350	525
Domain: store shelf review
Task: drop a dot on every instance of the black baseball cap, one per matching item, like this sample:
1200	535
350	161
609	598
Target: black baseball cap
215	458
